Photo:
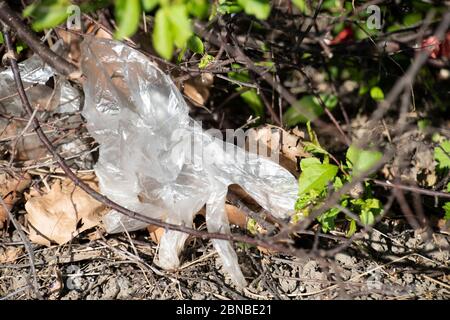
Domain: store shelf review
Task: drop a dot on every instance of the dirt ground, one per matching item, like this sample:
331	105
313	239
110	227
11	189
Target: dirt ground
392	262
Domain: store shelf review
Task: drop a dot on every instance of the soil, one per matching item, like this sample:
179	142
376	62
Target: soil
391	262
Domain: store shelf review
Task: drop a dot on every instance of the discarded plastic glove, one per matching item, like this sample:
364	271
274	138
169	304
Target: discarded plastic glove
156	160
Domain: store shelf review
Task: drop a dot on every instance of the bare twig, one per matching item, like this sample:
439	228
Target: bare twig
413	189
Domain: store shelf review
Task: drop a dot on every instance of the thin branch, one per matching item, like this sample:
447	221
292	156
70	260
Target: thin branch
413	189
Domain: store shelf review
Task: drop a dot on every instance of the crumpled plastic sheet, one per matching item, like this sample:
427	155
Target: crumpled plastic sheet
62	98
147	163
35	74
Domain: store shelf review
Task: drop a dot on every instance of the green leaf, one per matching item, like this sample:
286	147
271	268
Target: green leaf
305	200
205	61
315	175
351	228
313	146
228	7
442	155
328	218
329	100
128	15
332	5
1	38
162	34
337	184
258	8
252	226
360	160
423	124
20	46
198	8
312	135
195	44
369	208
377	94
306	109
47	14
149	5
446	208
254	101
412	19
367	217
180	24
241	76
301	5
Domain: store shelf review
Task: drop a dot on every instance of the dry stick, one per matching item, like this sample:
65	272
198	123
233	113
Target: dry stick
431	193
28	247
406	209
113	205
17	138
269	108
11	19
308	29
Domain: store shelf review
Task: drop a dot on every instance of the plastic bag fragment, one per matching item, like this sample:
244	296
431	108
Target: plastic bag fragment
35	74
156	160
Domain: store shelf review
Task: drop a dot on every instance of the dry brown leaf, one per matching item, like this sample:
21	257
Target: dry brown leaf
27	147
63	213
197	88
10	190
103	34
155	233
72	41
236	216
288	142
10	254
197	94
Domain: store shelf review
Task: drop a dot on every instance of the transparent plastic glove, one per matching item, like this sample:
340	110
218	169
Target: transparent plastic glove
156	160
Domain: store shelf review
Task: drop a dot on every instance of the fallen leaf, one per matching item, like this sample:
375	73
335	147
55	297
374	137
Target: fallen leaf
288	142
10	191
236	216
103	34
72	41
63	213
155	233
10	254
195	94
